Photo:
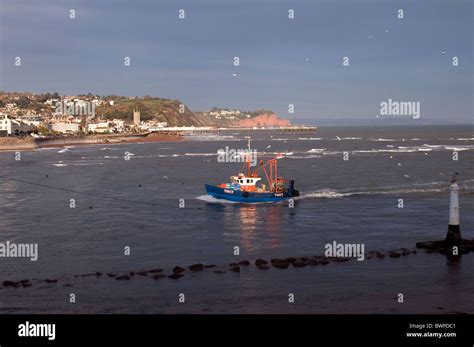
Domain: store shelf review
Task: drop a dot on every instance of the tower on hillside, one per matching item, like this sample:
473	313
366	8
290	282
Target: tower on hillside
136	117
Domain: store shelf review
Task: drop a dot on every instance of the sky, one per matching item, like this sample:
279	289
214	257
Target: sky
283	61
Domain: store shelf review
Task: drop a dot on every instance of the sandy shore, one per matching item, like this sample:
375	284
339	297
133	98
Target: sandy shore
30	143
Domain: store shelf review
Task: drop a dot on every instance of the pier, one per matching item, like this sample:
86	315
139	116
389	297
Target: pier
232	130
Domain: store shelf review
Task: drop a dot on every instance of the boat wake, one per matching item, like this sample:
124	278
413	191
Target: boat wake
327	193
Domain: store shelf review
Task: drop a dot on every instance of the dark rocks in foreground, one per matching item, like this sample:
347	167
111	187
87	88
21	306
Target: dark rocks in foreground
11	284
175	276
123	277
406	252
196	267
178	269
446	247
324	261
340	259
299	263
280	263
464	246
25	283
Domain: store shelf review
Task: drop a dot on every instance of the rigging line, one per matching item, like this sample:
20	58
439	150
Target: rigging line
103	196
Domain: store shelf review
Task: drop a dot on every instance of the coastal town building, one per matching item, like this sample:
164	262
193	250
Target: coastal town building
100	127
10	126
65	127
225	114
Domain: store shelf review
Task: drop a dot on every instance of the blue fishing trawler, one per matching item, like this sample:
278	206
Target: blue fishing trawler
247	188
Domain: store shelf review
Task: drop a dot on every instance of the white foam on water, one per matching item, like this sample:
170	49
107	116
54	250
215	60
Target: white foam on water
331	194
459	149
304	157
324	193
210	137
384	140
200	154
310	138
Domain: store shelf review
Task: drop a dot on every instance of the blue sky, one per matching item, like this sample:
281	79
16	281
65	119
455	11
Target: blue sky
192	59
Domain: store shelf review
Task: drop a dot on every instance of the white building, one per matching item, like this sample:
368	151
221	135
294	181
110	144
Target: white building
63	127
15	127
100	127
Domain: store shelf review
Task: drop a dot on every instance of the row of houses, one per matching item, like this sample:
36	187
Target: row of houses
70	125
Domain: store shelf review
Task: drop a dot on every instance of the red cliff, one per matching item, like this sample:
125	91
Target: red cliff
263	120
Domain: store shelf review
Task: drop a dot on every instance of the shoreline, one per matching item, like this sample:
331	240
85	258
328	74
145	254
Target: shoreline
8	144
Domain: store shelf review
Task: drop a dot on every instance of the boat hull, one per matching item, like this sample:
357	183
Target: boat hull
245	197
